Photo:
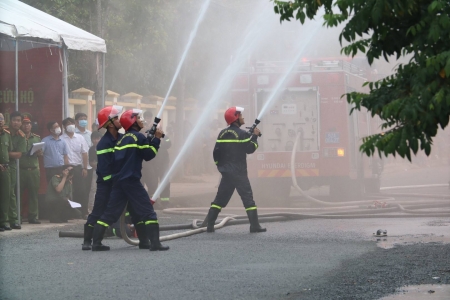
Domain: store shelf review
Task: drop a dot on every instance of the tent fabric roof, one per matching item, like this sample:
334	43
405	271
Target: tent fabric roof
19	20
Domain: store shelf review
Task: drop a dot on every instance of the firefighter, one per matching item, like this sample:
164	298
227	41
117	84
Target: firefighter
108	118
129	153
230	153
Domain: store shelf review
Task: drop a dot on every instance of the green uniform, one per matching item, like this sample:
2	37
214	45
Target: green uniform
61	209
30	176
19	145
5	183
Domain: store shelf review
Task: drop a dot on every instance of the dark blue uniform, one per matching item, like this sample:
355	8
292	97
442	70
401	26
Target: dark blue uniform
105	158
129	153
230	155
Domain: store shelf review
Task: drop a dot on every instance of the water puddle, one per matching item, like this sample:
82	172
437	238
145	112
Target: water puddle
389	242
419	292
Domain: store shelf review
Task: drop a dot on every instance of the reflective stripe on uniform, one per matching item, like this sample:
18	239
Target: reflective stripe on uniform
105	151
127	214
216	206
250	208
90	225
107	177
165	199
136	146
114	231
151	222
256	145
216	162
102	223
233	141
141	222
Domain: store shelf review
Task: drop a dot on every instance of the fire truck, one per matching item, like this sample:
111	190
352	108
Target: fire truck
310	109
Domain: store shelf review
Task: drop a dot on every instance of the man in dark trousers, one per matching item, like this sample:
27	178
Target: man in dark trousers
108	117
230	155
129	153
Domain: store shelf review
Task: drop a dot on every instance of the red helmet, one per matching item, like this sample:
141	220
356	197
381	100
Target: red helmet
232	114
108	113
129	117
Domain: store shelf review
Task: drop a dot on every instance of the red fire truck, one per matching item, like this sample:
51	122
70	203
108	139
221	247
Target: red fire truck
310	105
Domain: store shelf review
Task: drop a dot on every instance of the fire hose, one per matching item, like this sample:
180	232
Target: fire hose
324	210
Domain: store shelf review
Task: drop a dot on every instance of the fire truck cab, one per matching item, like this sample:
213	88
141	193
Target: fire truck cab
311	108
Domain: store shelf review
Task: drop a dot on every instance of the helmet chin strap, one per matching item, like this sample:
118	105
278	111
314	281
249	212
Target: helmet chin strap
238	121
112	122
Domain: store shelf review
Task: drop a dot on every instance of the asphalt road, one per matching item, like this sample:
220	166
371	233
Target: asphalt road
307	259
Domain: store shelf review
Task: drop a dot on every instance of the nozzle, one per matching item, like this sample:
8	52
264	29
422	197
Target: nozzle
151	132
257	121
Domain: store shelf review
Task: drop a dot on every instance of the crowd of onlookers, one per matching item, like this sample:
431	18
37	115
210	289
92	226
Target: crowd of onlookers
69	160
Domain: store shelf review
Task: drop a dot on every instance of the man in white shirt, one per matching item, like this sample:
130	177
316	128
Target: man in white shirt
81	127
81	124
78	159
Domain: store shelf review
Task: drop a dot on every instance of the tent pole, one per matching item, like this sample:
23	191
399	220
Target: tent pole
103	80
65	84
17	109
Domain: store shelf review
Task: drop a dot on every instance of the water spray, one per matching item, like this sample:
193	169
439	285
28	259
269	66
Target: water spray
253	35
151	132
283	79
183	57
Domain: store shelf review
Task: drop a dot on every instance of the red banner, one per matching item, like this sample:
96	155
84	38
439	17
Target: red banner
40	88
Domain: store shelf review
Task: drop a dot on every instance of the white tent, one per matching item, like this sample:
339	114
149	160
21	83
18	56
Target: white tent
20	22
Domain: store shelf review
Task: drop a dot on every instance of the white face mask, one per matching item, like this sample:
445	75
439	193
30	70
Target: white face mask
70	128
58	130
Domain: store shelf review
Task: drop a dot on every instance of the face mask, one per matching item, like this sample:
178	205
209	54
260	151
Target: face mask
58	130
70	128
82	123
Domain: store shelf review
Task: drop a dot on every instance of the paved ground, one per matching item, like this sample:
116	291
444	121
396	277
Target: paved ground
308	259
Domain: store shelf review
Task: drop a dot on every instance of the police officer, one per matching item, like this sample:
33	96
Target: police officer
19	148
29	171
129	153
230	155
5	180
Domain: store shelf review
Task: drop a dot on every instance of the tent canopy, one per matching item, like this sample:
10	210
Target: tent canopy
21	21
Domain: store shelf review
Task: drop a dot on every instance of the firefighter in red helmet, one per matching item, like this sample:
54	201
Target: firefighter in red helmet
129	152
108	118
230	155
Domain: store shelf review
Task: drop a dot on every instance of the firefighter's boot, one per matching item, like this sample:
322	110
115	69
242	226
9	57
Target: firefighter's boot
88	231
153	235
212	217
144	242
97	236
254	223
